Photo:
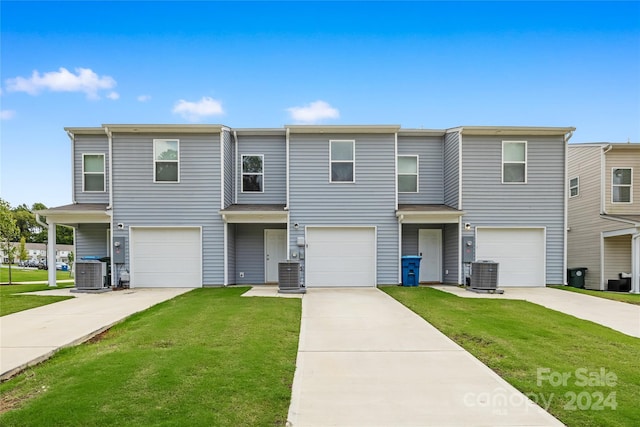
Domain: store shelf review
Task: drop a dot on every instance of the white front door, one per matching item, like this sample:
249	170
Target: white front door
275	251
430	249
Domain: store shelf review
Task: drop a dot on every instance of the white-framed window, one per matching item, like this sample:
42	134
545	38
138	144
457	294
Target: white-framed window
253	173
621	187
407	174
514	162
166	160
574	187
342	155
93	173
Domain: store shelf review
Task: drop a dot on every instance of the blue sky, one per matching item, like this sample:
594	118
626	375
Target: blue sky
267	64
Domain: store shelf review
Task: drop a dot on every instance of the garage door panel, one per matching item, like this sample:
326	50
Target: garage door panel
166	257
520	254
341	256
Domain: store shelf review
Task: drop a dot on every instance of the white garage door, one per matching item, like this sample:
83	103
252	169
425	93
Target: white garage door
520	253
341	256
166	257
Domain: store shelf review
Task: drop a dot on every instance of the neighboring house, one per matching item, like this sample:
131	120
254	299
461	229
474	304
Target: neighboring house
38	252
604	212
199	205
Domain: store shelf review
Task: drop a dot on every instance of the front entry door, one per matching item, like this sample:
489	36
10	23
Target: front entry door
275	251
430	248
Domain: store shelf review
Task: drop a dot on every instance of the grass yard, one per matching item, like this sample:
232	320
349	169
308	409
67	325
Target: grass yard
208	358
616	296
19	274
532	347
11	301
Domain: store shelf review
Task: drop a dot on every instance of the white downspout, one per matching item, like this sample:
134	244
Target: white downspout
635	263
235	162
112	267
286	208
225	237
73	169
603	191
567	136
400	219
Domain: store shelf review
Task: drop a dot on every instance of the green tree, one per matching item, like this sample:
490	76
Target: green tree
8	232
22	251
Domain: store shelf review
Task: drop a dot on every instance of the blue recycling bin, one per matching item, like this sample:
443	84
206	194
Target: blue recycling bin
411	270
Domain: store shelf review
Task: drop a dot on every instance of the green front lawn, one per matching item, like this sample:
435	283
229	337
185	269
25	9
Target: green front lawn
19	274
616	296
11	301
532	348
207	358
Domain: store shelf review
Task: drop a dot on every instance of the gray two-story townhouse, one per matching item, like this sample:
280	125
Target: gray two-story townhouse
208	205
604	214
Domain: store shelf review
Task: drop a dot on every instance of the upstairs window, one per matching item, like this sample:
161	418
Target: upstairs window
166	160
342	161
574	187
93	173
514	162
252	173
621	185
407	174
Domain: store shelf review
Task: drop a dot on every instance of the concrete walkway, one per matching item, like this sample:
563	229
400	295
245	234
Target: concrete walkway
621	316
366	360
31	336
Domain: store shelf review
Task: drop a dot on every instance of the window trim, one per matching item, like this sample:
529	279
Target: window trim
242	173
352	161
525	162
577	187
630	185
103	173
417	174
155	161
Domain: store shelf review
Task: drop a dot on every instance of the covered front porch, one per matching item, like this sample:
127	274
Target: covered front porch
255	242
91	222
621	251
433	232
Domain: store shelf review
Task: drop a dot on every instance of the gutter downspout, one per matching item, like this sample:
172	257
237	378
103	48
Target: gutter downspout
635	263
603	162
286	207
400	220
225	232
235	163
114	272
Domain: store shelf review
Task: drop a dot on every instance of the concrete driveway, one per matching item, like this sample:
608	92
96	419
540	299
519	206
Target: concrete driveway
621	316
31	336
366	360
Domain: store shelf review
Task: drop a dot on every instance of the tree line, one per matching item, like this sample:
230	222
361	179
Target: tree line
25	220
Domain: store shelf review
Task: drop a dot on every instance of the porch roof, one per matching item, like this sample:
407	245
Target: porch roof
255	213
428	214
77	213
627	219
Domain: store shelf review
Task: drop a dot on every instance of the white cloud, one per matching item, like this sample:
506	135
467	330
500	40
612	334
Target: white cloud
313	112
195	111
7	114
113	95
144	98
84	80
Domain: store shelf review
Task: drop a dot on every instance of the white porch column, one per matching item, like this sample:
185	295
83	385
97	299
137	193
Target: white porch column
51	254
635	264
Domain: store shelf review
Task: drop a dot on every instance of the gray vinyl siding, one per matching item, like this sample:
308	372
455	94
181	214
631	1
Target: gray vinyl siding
194	201
370	201
584	222
249	252
430	169
91	240
231	254
451	254
623	158
539	202
90	144
229	168
273	148
451	170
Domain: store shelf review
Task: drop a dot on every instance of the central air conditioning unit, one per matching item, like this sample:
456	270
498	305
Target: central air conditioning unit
90	275
484	276
289	278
